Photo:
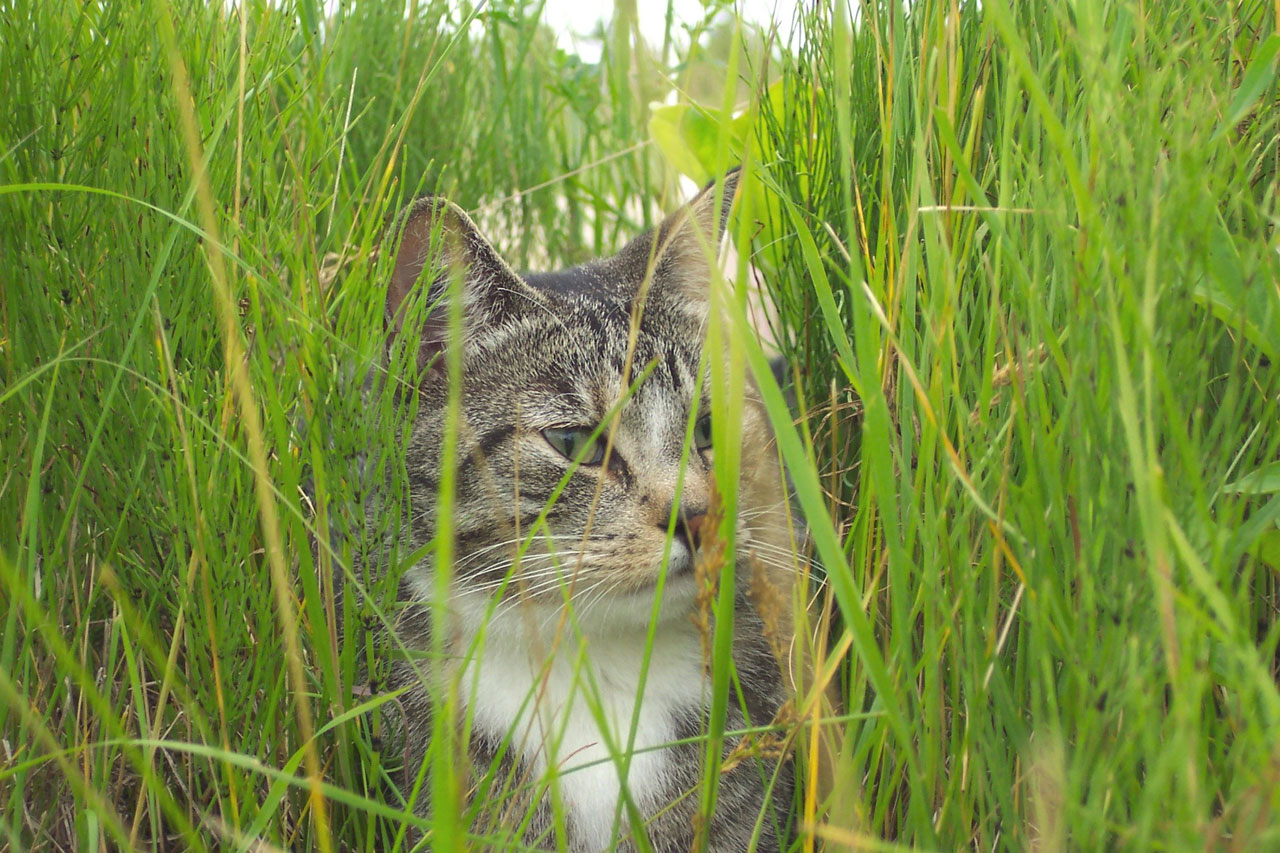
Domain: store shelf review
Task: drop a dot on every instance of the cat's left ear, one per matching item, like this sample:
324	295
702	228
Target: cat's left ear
680	253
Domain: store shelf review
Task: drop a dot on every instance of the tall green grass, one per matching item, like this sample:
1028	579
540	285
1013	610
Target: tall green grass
1027	272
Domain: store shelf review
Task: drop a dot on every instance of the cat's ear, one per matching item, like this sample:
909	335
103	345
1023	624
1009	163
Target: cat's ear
678	255
435	241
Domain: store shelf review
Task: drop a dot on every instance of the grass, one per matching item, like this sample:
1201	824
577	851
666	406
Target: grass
1026	264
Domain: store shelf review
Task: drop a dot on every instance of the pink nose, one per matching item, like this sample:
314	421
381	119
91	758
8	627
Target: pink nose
693	527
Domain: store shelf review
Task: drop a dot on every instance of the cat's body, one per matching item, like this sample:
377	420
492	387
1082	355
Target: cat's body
585	709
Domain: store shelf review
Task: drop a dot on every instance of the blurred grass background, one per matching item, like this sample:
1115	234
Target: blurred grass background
1027	271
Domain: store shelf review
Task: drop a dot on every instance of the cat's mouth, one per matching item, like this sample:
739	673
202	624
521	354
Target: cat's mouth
680	563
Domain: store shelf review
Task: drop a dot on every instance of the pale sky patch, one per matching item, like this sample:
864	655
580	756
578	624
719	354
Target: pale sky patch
575	21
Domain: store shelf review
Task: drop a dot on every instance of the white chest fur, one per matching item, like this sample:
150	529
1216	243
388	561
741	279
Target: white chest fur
575	709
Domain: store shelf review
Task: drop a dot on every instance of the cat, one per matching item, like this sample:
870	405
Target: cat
547	647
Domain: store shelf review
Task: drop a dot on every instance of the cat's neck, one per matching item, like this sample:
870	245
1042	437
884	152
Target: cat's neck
593	655
572	701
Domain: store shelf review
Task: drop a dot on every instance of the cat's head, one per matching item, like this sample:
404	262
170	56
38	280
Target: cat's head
580	397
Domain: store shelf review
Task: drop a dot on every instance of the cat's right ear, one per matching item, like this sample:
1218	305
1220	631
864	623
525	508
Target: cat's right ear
436	243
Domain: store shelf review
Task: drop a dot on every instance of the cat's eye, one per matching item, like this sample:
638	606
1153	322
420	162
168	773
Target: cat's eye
576	443
702	433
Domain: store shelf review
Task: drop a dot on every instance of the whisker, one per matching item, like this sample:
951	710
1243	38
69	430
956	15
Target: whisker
555	570
519	540
528	594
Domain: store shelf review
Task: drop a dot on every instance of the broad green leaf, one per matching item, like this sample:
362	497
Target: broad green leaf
689	136
1252	310
1257	77
1264	481
665	128
1268	550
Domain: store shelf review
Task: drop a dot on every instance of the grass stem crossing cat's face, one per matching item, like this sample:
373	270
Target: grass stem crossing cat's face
582	400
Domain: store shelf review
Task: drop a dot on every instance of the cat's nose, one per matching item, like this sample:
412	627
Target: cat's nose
694	525
690	527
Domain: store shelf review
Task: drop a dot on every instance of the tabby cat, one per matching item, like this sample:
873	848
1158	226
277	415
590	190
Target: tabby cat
588	377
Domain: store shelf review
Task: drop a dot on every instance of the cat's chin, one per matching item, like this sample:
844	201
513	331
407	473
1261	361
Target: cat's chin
679	591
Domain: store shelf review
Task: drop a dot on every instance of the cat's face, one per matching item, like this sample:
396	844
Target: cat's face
581	416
